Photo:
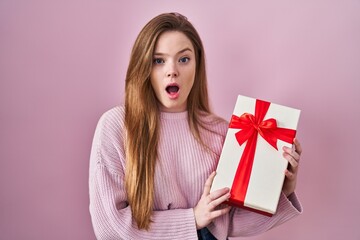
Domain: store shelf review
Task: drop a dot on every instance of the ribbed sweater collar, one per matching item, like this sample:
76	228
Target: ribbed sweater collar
176	115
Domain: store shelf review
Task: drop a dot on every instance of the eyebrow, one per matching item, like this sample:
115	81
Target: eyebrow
181	51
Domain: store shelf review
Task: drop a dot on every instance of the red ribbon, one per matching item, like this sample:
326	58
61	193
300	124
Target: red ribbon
251	126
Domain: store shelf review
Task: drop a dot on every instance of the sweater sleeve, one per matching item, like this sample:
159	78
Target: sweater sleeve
110	213
242	223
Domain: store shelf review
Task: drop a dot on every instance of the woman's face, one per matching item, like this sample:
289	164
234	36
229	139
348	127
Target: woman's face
173	71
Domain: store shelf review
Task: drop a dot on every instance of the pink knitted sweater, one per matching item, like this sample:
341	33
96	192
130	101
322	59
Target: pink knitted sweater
181	171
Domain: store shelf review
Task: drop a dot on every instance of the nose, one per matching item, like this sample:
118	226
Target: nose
172	71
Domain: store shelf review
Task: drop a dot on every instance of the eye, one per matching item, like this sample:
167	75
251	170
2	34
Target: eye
184	59
158	61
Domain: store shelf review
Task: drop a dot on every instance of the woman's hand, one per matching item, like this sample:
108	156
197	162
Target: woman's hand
207	208
293	157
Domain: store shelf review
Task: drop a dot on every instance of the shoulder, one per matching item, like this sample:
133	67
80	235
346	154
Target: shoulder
109	134
111	123
110	126
113	117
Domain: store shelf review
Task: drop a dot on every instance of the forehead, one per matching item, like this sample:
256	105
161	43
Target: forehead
172	41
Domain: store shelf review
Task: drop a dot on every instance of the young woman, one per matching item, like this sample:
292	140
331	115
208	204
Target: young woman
153	159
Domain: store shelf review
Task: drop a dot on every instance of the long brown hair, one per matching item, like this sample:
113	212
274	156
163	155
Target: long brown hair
142	113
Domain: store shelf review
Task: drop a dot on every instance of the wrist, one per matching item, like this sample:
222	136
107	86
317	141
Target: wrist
287	193
196	224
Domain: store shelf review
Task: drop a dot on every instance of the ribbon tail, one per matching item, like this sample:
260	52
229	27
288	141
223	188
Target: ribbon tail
270	137
285	134
243	135
243	172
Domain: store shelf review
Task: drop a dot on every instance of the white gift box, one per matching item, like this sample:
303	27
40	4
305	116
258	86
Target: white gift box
256	182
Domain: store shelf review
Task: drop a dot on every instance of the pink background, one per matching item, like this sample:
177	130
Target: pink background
62	64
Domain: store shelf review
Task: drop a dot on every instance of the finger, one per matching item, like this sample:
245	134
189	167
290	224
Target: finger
218	193
289	175
219	199
293	163
208	184
218	213
292	153
297	145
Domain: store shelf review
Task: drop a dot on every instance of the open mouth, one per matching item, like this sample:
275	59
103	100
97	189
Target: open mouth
172	89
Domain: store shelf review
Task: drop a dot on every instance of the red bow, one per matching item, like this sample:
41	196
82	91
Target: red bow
250	126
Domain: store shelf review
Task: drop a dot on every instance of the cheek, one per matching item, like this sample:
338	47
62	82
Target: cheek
191	77
154	79
190	70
